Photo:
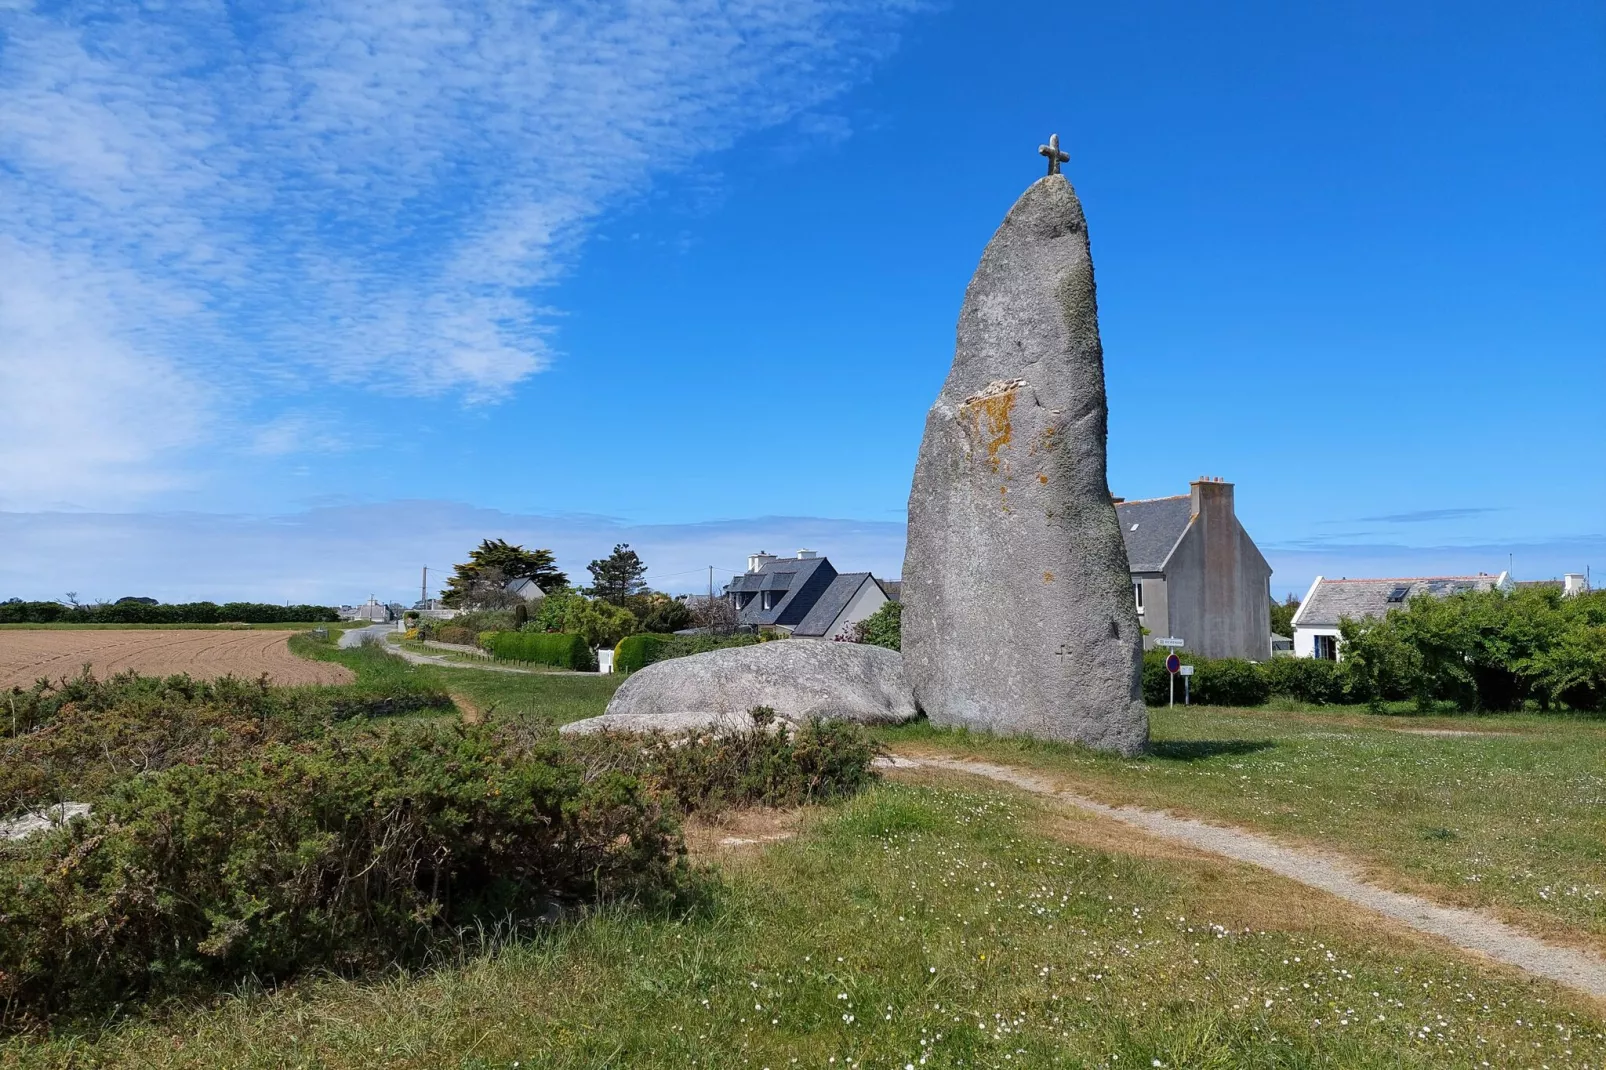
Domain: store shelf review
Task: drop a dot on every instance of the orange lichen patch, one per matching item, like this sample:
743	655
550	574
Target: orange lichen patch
1048	577
988	415
1042	478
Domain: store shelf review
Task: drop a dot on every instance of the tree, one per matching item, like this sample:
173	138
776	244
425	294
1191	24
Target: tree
598	623
1282	616
618	577
716	616
664	614
470	586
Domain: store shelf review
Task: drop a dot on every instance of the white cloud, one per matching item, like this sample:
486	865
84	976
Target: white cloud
350	190
341	554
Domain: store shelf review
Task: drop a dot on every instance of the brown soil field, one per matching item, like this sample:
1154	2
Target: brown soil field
26	656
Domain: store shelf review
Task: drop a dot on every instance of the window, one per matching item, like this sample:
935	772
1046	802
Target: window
1137	593
1399	592
1327	647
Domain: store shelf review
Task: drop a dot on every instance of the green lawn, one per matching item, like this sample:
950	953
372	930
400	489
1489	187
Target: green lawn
558	697
915	926
1514	821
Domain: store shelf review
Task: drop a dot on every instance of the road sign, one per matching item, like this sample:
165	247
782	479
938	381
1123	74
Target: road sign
1170	641
1186	670
1173	663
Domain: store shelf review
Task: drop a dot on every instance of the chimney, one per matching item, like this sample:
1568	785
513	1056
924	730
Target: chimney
759	560
805	555
1213	493
1217	529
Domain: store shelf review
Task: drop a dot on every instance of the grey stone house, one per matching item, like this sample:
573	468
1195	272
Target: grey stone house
1196	573
803	596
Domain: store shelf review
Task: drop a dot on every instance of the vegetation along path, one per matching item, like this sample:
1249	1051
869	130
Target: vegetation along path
1468	929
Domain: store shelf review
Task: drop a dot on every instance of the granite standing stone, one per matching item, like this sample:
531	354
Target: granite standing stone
1018	612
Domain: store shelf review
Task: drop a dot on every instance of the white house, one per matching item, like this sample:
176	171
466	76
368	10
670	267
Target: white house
1330	601
803	596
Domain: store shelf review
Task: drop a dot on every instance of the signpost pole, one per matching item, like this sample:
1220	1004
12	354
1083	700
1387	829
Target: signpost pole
1173	700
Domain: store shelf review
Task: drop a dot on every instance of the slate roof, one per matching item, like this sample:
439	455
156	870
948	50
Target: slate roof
1332	600
802	580
832	601
1152	527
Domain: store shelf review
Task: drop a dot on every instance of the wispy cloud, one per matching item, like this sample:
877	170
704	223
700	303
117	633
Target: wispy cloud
343	553
350	190
1428	516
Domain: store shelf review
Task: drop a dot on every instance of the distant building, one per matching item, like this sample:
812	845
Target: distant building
372	610
803	596
1570	584
1196	573
1330	601
525	588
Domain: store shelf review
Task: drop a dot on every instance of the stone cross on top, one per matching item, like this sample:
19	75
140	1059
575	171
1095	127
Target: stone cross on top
1055	156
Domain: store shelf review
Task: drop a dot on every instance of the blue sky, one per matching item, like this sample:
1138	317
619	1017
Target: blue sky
297	297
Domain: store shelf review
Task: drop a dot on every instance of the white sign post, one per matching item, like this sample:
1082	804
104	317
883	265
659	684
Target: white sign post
1170	641
1186	672
1172	665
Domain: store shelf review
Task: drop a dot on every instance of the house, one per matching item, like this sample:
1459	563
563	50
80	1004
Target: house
1330	601
373	610
1196	573
524	588
803	596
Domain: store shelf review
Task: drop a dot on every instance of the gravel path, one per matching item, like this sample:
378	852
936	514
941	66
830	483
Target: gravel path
1470	930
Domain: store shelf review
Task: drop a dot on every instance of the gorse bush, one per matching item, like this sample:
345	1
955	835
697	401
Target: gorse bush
558	649
765	764
77	739
346	852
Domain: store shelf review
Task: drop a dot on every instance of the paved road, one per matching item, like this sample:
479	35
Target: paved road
355	636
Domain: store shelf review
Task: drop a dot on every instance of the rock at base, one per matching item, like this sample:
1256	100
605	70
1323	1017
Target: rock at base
689	722
800	679
1018	615
20	828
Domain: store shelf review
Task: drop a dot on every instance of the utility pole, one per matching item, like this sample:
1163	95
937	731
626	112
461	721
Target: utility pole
710	583
423	589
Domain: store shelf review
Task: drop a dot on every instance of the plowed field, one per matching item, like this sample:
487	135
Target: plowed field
25	656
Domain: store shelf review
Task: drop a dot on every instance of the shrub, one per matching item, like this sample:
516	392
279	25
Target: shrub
637	651
78	739
1314	680
1216	681
818	761
884	627
665	616
1227	682
555	648
344	853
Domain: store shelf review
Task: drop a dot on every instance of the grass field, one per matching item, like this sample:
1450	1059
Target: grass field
557	697
946	924
922	926
1512	818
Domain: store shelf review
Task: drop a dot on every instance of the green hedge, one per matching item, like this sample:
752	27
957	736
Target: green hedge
1314	680
16	611
557	649
1216	681
636	652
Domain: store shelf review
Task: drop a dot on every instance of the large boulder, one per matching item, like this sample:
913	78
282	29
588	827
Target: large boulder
798	678
1018	614
686	723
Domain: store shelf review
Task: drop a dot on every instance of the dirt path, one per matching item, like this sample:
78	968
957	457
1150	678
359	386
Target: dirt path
1469	930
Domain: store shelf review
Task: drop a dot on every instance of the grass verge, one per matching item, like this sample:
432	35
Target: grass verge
913	926
1510	818
555	697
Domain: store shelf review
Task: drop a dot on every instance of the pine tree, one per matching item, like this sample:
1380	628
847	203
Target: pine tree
618	576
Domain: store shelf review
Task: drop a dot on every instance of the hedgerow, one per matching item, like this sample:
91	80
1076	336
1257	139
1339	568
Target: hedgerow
16	611
558	649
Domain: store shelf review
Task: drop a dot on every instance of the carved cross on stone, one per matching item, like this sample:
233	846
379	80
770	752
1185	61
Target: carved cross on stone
1055	156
